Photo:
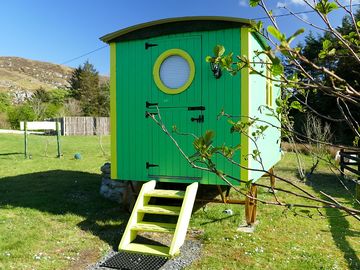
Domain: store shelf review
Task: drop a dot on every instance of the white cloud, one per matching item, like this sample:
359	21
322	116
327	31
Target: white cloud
298	2
243	3
354	2
280	4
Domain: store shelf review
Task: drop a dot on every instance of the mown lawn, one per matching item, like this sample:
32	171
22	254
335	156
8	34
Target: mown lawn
52	216
51	213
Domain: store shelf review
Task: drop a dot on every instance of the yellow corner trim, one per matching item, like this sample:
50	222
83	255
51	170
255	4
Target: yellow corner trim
156	71
113	111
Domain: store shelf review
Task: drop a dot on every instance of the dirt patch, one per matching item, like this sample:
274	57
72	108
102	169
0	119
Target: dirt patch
86	258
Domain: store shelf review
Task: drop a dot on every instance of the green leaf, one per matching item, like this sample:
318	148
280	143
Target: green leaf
254	3
325	7
298	32
296	105
276	33
332	52
209	59
278	102
277	69
322	54
358	23
258	26
219	50
326	44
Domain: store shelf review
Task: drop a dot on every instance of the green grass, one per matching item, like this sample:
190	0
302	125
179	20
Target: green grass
52	216
282	240
51	213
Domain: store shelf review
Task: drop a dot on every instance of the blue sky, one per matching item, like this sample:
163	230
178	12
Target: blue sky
58	31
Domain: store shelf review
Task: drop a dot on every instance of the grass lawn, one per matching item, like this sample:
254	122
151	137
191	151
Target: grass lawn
52	216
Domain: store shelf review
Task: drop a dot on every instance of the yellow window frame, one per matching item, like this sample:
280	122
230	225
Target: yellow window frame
156	71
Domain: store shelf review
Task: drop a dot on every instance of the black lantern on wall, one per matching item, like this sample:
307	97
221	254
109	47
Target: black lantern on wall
215	68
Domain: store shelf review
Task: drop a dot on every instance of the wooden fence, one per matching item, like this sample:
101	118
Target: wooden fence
349	160
84	125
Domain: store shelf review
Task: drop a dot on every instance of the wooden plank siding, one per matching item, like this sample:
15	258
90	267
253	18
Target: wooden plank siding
135	85
84	125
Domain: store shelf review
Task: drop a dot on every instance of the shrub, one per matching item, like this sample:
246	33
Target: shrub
20	113
5	101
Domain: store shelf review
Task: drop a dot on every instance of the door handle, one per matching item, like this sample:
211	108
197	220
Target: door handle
149	165
200	119
148	104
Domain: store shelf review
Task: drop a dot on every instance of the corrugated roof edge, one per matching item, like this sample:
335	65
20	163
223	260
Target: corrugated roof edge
114	35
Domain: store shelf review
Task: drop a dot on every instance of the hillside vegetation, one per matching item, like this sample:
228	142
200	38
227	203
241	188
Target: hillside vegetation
33	90
20	74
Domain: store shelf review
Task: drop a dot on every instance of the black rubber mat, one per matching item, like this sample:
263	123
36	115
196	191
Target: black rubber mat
134	261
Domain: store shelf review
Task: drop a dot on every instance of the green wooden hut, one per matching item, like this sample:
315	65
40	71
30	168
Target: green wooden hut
163	63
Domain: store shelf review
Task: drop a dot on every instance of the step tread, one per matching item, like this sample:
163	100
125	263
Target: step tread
161	210
148	249
154	227
166	193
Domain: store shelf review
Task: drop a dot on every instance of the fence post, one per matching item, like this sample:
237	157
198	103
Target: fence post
357	187
342	162
58	138
25	140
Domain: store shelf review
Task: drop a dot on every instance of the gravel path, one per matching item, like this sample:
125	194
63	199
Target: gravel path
189	252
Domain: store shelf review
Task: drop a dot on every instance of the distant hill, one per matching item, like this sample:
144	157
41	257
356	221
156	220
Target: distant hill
24	75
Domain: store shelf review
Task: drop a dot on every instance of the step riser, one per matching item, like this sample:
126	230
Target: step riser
162	193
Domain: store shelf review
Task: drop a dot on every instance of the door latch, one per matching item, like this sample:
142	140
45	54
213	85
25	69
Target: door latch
200	119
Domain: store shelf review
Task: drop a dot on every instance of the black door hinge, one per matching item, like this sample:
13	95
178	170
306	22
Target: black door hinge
149	45
196	108
149	165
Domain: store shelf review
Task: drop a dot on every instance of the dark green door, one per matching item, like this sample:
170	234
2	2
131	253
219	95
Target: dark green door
176	90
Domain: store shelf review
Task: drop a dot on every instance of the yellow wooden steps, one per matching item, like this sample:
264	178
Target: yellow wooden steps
154	227
148	249
161	210
142	207
163	193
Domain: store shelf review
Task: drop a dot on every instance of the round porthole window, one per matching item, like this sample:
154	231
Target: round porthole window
174	71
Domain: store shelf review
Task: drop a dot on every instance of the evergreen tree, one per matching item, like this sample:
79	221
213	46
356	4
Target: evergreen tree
85	87
344	66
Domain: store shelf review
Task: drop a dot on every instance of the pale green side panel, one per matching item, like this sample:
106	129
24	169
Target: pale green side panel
269	144
113	110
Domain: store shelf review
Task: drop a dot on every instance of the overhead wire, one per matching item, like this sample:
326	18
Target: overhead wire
295	13
257	18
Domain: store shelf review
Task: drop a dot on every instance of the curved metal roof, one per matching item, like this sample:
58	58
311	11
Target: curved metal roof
174	25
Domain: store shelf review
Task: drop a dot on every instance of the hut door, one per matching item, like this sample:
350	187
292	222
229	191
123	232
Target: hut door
176	90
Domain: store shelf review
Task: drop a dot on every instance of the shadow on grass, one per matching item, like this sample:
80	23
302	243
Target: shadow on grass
339	226
61	192
11	154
